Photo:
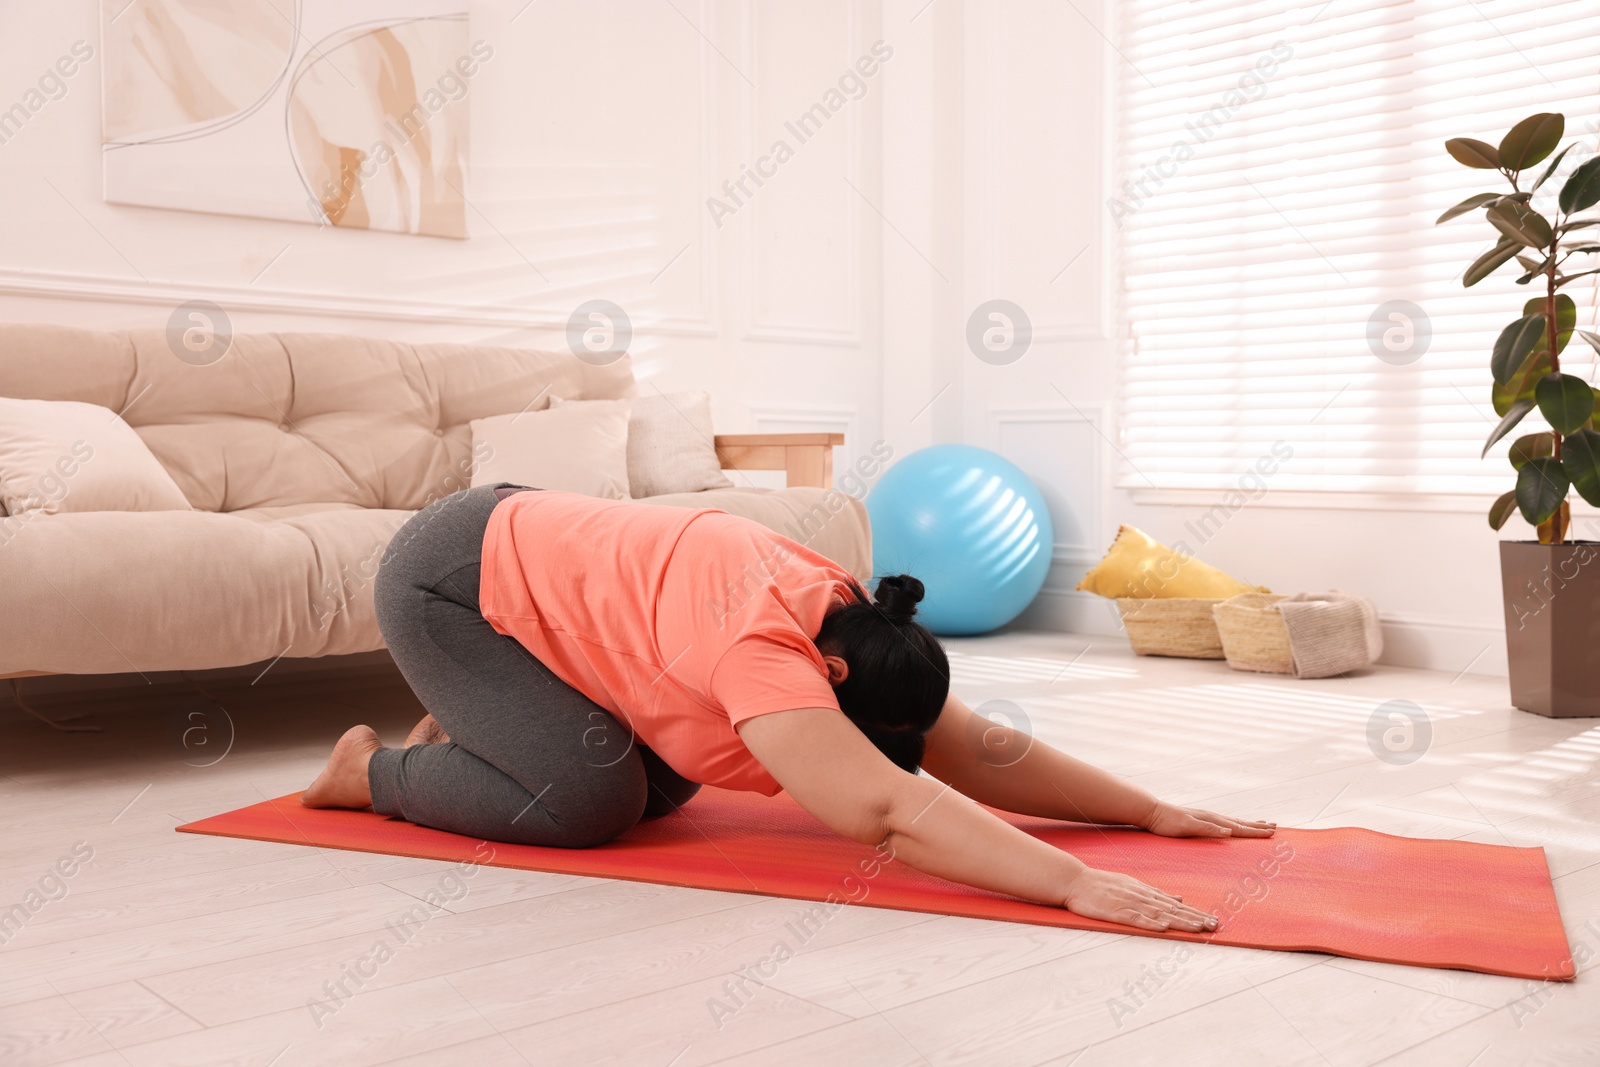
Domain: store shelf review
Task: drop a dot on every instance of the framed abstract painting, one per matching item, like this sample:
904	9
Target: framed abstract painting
350	113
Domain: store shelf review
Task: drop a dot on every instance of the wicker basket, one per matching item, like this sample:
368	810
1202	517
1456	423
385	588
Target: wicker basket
1171	626
1254	636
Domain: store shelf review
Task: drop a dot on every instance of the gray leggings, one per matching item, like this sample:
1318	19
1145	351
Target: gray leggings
530	759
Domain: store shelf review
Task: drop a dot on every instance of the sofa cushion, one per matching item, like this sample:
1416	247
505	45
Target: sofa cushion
104	592
109	592
301	418
827	521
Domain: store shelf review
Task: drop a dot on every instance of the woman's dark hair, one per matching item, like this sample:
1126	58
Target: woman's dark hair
899	675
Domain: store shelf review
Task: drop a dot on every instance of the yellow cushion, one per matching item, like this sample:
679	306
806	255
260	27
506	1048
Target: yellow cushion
1140	566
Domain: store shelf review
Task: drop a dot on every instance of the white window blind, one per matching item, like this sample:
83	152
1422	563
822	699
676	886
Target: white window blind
1281	166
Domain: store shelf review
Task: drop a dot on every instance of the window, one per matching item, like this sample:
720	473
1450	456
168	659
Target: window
1280	170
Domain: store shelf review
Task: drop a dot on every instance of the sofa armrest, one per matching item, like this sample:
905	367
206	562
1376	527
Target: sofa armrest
805	458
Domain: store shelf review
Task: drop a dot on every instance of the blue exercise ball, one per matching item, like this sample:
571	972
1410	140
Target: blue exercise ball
971	526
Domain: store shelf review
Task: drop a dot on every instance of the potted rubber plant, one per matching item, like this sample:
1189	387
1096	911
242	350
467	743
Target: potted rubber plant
1551	585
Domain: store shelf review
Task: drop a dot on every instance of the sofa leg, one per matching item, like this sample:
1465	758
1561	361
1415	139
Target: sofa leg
54	724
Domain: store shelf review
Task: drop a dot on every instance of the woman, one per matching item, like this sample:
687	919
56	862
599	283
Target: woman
588	662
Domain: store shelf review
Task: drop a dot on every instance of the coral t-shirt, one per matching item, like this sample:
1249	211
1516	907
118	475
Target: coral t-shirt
680	622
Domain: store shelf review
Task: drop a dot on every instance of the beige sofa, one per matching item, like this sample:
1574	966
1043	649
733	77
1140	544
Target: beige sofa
301	455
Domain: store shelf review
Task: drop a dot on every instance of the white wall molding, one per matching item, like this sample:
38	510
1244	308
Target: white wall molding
1067	333
1108	254
1066	611
1076	555
1442	644
1090	415
987	61
801	333
797	334
1394	503
707	161
802	418
1058	606
100	288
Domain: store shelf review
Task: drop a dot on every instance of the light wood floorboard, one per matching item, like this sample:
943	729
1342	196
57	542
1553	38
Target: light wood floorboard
169	949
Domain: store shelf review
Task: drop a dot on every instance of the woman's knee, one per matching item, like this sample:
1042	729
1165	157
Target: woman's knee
610	803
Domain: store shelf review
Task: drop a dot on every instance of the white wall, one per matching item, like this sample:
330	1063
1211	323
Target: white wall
975	166
598	130
1015	128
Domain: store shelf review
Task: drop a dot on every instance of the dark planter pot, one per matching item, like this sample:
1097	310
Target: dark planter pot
1552	595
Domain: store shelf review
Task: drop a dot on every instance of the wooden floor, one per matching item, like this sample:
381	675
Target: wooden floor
172	949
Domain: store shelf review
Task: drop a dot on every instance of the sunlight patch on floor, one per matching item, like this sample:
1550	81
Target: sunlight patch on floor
969	669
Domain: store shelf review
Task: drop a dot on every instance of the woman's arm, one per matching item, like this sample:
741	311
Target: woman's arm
833	772
1007	769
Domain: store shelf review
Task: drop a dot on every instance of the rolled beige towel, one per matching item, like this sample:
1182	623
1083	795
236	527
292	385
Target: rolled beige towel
1331	633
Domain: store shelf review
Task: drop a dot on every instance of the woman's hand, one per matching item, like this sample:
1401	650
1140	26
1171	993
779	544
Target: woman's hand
1169	820
1117	898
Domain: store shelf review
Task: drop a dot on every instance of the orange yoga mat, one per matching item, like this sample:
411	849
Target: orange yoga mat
1349	892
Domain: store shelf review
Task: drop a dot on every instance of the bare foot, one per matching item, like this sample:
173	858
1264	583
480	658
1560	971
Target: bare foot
426	732
343	782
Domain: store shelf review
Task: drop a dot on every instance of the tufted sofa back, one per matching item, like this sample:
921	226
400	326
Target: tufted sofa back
287	418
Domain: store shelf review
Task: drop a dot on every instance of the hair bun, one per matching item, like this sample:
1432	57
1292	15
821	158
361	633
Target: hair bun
897	596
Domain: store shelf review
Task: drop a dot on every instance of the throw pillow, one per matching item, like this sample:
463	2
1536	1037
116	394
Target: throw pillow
670	448
65	455
1140	566
580	446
